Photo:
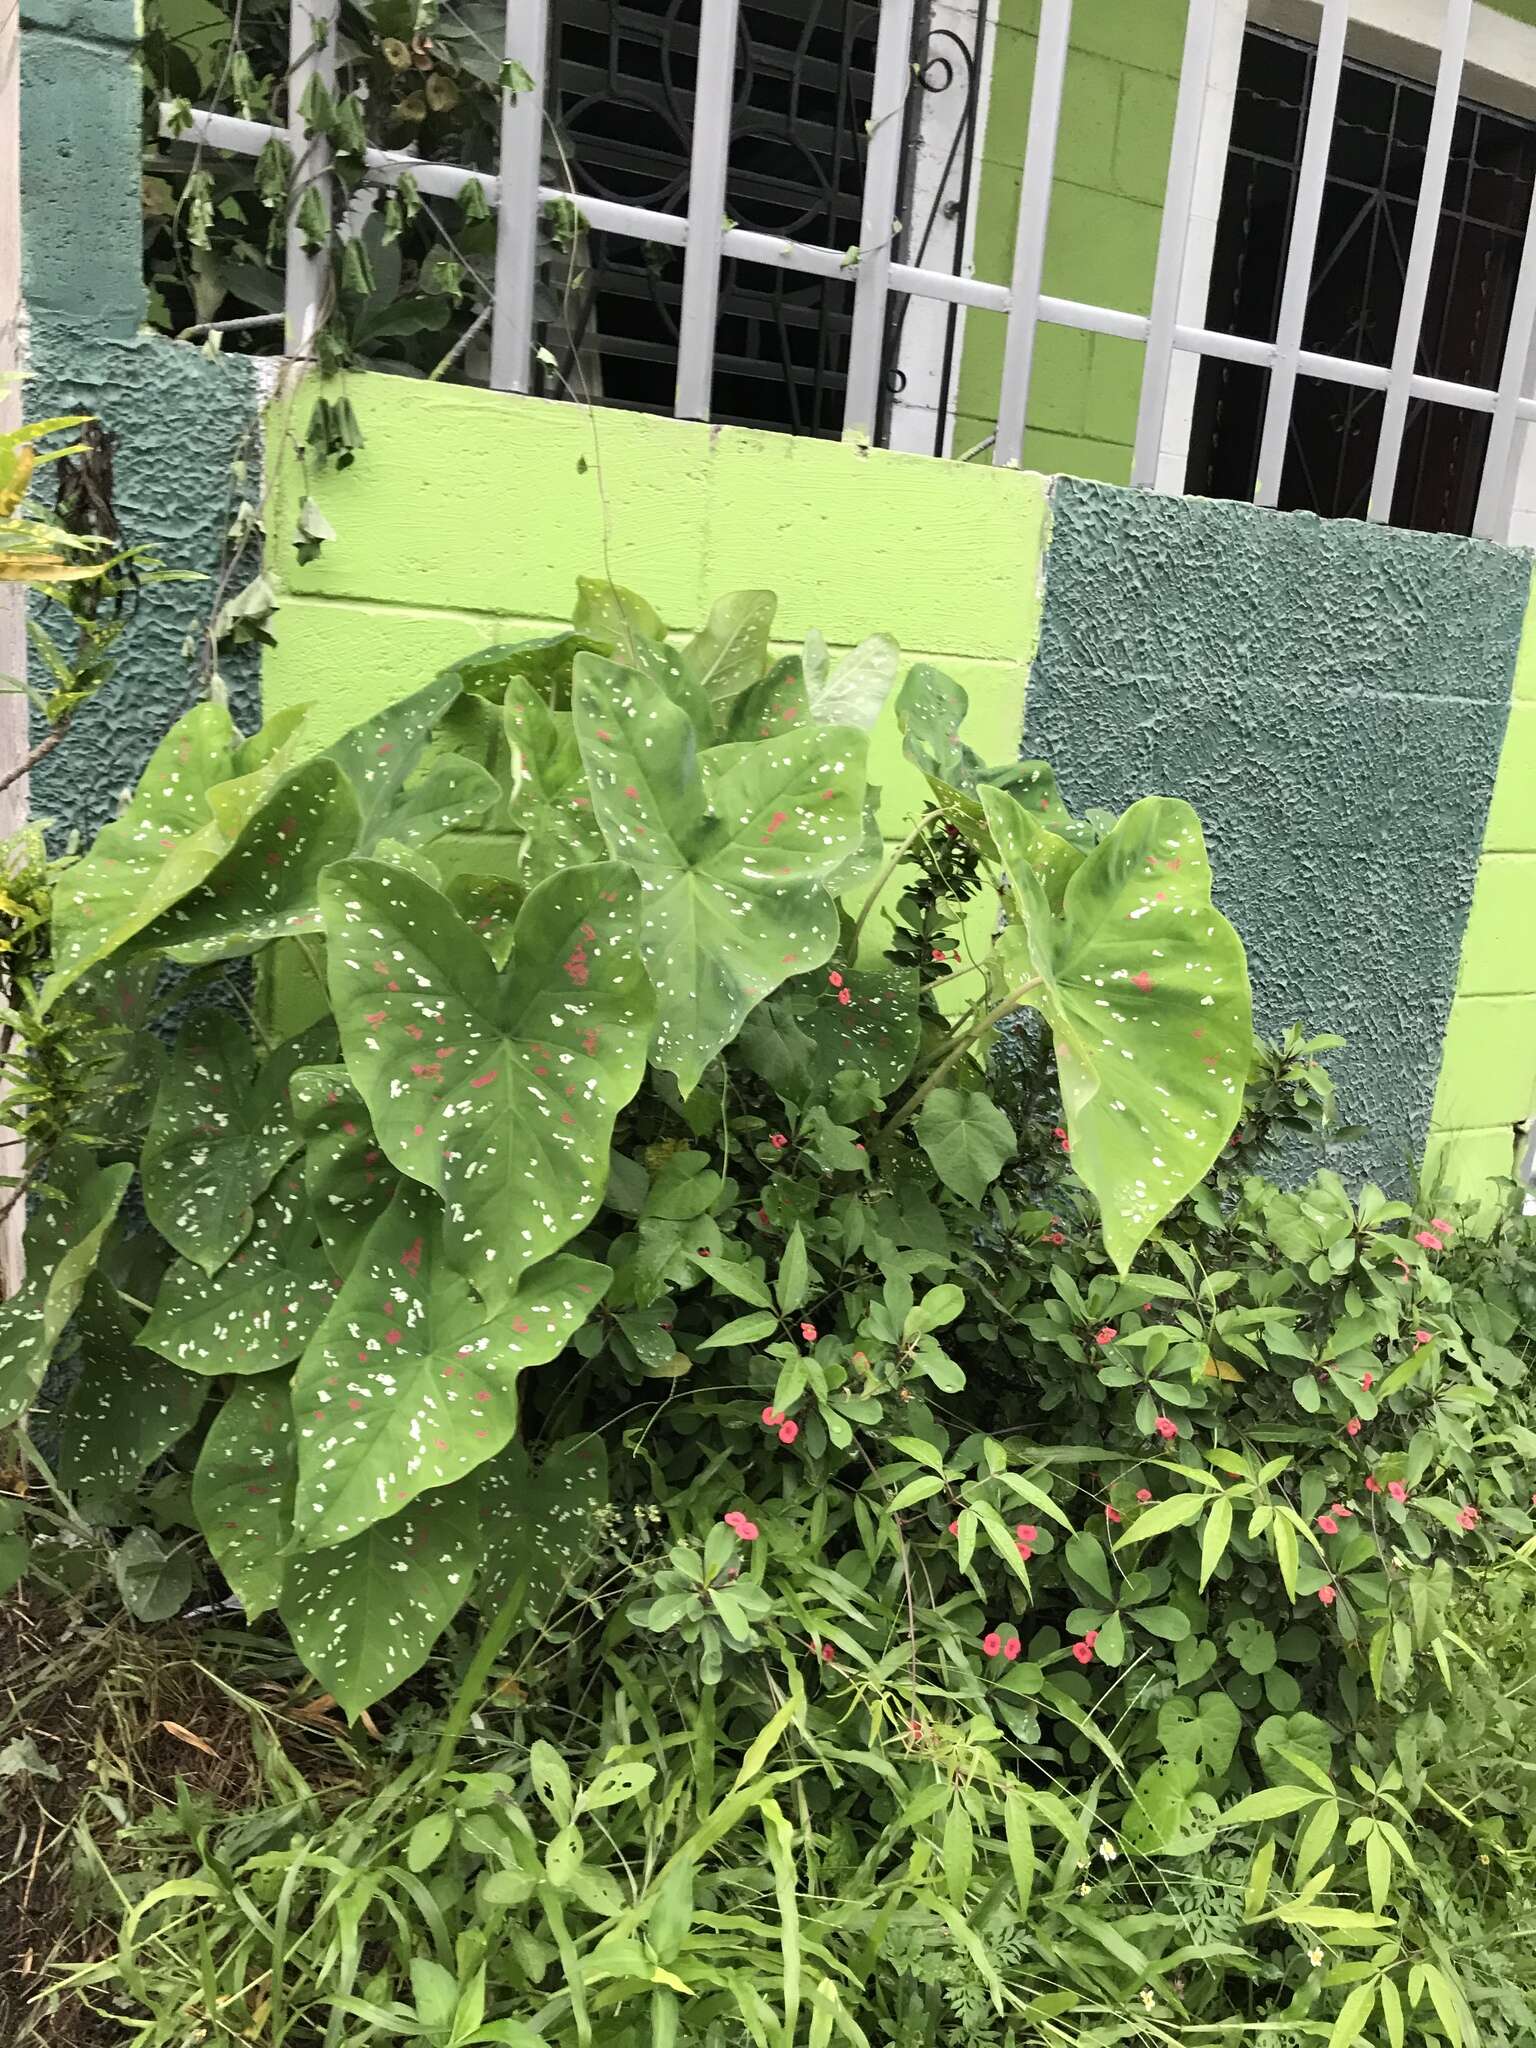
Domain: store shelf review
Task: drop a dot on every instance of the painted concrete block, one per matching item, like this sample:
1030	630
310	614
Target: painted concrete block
1489	1075
345	661
1140	168
1498	957
1464	1162
1512	815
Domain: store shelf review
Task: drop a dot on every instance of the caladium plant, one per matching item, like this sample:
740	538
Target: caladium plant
639	1043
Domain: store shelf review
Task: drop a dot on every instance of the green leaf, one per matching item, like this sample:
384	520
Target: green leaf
1082	1554
126	1407
875	1032
731	652
543	1525
750	1329
1272	1802
265	886
731	870
153	1577
498	1091
1353	2014
411	1381
202	785
606	611
967	1138
64	1240
346	1176
855	689
258	1311
218	1137
1214	1537
242	1488
1176	1512
428	1839
793	1276
1144	985
379	756
364	1615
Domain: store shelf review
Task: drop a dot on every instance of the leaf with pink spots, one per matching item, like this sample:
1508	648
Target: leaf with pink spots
364	1615
411	1382
732	866
1144	985
242	1489
500	1091
780	702
349	1181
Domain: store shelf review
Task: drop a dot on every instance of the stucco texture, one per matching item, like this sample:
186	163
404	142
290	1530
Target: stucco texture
1332	699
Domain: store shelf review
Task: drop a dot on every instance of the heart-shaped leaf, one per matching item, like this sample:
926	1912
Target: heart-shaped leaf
364	1615
874	1032
218	1136
202	786
544	1523
261	1308
499	1091
854	689
153	1576
242	1488
411	1381
615	616
543	661
64	1240
731	651
967	1138
126	1407
731	871
379	756
1144	985
349	1181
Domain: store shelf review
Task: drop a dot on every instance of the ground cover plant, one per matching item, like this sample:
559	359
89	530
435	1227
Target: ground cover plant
736	1332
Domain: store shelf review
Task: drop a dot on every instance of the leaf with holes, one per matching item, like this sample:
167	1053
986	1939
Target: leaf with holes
411	1382
854	689
364	1615
218	1137
126	1408
349	1181
242	1489
731	871
498	1090
202	786
1144	985
544	1524
64	1240
261	1308
264	887
731	652
967	1138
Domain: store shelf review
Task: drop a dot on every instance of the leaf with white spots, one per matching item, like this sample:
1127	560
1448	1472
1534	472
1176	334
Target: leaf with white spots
731	651
379	756
544	1523
264	887
349	1181
608	612
1144	985
448	794
242	1489
544	662
126	1408
411	1382
201	788
218	1137
930	709
500	1091
364	1615
64	1240
261	1308
780	703
875	1032
731	869
854	690
967	1138
489	905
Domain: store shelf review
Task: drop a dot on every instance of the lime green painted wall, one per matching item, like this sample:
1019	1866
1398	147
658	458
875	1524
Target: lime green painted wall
1106	209
1488	1067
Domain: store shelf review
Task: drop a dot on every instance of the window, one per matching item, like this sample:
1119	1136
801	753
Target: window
1374	170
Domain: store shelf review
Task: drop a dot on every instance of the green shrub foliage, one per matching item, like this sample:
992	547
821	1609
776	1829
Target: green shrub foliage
964	1557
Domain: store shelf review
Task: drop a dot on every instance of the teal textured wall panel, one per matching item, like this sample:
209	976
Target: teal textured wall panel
1332	698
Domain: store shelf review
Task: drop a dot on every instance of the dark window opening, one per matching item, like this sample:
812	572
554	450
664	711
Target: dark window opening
1374	169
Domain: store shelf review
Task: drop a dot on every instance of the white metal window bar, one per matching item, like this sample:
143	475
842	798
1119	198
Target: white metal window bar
706	238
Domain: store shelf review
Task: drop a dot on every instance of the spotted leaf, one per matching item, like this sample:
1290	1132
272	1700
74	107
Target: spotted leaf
379	756
1144	985
411	1382
731	652
219	1134
544	1523
615	616
498	1090
126	1408
264	887
543	661
261	1308
348	1179
64	1240
364	1615
242	1488
780	702
201	788
731	869
854	689
875	1032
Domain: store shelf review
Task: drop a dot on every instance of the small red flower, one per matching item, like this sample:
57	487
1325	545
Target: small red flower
808	1333
1106	1336
828	1654
1352	1427
1060	1135
1327	1595
1166	1428
992	1642
772	1417
1372	1483
1367	1380
1113	1515
1422	1337
844	997
1439	1223
747	1531
1428	1239
1052	1237
1398	1491
1025	1552
1469	1518
778	1141
1328	1525
954	1527
1083	1652
1091	1638
915	1730
788	1431
1012	1648
1143	1494
834	979
1026	1532
1344	1514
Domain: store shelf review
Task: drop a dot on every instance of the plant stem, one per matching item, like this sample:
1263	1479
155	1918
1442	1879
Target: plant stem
958	1047
473	1684
928	818
39	753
